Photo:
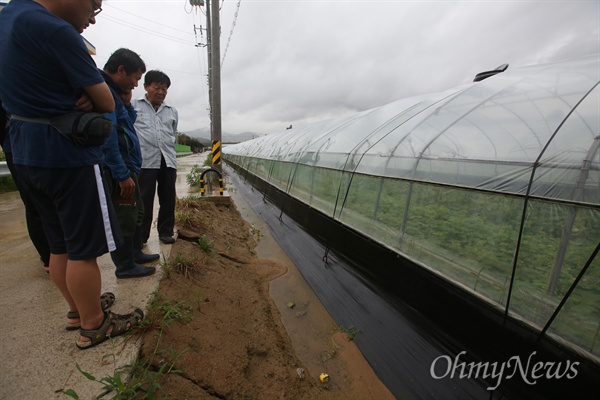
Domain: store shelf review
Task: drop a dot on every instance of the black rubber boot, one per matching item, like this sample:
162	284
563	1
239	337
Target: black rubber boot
138	255
126	267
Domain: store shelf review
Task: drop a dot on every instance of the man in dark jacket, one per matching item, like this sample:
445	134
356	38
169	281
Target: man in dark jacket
122	162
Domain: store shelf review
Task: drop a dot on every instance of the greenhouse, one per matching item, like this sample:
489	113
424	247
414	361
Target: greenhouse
492	187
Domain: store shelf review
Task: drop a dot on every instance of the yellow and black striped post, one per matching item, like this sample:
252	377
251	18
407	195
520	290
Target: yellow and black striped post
216	152
221	188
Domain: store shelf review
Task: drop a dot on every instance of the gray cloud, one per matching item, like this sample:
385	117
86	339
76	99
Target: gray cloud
298	62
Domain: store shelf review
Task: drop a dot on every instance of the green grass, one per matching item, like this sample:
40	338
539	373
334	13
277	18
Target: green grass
350	332
7	184
141	380
206	245
180	264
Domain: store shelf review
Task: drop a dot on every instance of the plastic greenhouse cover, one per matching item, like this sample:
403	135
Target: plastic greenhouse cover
532	130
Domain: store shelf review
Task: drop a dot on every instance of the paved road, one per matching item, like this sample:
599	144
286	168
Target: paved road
38	356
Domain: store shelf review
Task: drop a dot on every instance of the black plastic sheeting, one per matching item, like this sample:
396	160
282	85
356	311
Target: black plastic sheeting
409	321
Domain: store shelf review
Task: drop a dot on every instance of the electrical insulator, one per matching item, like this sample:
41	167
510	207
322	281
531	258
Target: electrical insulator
197	2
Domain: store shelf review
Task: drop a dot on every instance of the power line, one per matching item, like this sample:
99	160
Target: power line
231	32
145	19
147	30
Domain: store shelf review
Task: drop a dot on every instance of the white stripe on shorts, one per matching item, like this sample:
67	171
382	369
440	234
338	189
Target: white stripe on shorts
110	240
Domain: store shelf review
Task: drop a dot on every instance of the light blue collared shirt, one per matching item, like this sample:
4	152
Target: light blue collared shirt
157	131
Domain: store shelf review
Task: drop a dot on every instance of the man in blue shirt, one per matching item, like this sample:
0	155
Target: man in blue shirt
123	160
46	71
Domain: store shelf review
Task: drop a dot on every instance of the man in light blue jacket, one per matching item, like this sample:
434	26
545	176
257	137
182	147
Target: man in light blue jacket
156	126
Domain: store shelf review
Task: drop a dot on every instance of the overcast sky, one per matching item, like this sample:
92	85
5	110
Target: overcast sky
302	61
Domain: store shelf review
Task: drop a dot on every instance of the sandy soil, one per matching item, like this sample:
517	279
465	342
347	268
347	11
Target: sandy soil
232	343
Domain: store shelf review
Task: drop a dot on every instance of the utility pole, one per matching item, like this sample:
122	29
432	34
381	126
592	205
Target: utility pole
214	79
209	48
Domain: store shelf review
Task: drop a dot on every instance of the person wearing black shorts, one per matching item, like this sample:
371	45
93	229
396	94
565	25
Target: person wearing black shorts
47	72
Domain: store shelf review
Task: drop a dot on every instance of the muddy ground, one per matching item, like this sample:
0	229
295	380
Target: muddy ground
213	320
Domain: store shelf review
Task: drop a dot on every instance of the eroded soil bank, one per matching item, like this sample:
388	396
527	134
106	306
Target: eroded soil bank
232	343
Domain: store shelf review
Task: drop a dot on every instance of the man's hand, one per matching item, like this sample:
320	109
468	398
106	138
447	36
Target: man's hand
84	103
127	188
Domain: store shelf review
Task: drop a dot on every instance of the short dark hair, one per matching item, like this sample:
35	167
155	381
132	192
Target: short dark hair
156	76
130	60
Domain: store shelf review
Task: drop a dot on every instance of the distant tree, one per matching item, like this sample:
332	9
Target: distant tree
194	143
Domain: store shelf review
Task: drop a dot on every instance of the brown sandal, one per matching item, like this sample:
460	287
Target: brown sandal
107	299
119	324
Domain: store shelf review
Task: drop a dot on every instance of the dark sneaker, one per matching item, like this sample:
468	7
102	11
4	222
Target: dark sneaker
142	258
137	271
167	239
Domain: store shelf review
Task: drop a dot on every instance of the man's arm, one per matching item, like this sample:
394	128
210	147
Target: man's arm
101	97
84	103
114	161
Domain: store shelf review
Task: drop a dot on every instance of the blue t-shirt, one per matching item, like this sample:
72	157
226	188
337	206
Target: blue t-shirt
43	63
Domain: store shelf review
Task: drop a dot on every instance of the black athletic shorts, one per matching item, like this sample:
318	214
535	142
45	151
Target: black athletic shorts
78	217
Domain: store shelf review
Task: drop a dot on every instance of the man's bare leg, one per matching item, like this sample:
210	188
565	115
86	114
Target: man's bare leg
84	284
58	274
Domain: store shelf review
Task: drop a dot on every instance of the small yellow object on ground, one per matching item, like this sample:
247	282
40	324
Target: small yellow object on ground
324	377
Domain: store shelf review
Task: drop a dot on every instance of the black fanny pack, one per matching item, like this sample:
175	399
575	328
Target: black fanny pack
85	129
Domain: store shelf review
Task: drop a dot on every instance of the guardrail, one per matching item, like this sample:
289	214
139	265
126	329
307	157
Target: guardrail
4	171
